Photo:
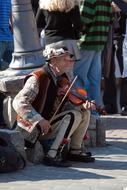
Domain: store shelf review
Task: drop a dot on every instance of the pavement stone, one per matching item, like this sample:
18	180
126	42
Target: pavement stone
109	172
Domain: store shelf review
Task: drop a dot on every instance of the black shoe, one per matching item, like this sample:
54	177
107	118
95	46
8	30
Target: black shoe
80	157
124	111
88	153
48	161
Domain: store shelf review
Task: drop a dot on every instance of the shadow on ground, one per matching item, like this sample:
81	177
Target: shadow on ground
40	172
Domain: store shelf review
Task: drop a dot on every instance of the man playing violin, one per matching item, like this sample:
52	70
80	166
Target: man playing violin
36	103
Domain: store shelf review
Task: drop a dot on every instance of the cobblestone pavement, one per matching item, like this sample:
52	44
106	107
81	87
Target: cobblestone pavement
109	172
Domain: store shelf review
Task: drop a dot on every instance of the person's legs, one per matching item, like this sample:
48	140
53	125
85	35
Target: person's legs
7	56
73	126
81	68
2	49
2	122
94	77
79	133
63	126
125	58
123	95
76	153
6	49
109	95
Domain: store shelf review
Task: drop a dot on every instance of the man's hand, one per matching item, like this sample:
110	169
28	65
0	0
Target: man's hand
45	126
89	105
115	8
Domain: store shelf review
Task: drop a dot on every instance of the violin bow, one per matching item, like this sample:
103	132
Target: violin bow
63	98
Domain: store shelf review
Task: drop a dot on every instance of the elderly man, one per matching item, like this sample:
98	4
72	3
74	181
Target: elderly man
36	103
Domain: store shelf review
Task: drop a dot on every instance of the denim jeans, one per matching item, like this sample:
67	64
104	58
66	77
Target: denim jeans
125	57
88	70
6	49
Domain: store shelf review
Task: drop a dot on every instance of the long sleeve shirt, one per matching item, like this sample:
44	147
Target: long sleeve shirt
5	14
96	17
23	102
38	99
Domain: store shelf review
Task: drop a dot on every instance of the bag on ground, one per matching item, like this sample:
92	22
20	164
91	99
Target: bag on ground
10	159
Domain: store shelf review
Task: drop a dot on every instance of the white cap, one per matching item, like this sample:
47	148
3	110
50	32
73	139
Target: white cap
52	52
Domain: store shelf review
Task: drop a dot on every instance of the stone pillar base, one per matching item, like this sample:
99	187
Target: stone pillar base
10	86
95	133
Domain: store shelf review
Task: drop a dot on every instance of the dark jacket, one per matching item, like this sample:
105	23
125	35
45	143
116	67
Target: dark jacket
59	25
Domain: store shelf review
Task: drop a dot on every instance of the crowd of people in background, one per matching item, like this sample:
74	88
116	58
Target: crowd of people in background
85	40
101	81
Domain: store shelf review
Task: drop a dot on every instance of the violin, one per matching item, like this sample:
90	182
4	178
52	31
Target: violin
76	96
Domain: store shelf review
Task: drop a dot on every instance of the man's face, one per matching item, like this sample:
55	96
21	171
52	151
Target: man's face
63	63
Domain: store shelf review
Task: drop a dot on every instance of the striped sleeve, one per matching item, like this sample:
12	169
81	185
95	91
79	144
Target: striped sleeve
87	11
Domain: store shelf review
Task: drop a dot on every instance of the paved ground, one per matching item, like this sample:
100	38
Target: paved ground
109	172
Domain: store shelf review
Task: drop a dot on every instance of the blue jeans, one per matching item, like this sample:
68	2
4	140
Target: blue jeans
6	49
88	70
125	57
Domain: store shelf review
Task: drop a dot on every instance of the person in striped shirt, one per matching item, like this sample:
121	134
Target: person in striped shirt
96	17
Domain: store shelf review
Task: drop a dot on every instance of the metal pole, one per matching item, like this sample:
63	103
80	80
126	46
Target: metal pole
27	48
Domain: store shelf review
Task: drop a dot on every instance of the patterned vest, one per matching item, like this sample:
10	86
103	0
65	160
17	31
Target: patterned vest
45	99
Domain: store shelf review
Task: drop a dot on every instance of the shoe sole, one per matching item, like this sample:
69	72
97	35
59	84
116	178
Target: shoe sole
54	164
85	160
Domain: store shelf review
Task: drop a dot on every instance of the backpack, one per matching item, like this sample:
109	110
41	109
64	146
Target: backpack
10	159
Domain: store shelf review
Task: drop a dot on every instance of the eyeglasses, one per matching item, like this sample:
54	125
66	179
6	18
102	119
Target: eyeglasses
71	55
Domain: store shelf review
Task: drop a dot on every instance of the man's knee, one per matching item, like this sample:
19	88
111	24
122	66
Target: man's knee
85	119
86	114
77	115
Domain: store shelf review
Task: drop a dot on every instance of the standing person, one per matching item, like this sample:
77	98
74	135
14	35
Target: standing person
62	24
112	61
123	96
124	82
36	104
35	6
6	37
96	18
6	43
